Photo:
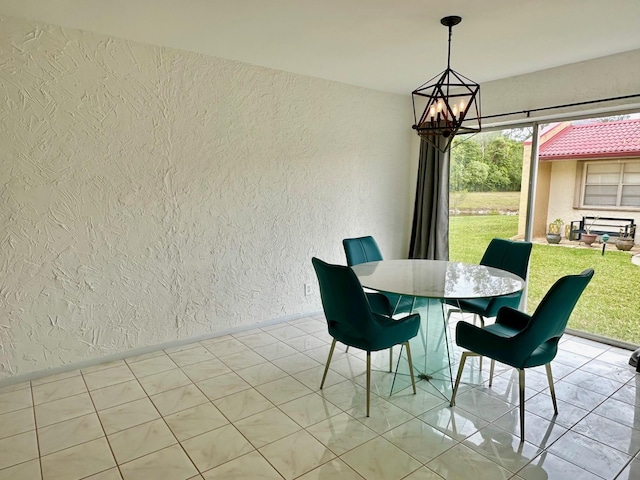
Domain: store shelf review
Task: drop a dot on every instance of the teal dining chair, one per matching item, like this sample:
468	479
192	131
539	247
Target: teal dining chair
365	249
509	255
351	321
524	341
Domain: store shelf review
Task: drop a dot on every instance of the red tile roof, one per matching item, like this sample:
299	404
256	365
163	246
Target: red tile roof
594	140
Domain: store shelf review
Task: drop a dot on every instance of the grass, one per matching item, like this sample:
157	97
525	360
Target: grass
491	201
609	306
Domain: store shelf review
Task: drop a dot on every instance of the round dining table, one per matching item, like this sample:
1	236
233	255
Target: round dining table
430	283
438	279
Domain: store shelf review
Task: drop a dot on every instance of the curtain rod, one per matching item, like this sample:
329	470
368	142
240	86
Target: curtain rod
566	105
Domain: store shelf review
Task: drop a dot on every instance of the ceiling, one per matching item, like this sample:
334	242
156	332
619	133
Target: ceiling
388	45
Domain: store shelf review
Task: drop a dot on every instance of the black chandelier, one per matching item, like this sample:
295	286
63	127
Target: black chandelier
453	103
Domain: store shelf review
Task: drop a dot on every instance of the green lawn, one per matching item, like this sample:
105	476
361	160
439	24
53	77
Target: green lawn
491	201
610	305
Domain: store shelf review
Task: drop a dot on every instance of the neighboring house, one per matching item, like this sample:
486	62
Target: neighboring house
585	169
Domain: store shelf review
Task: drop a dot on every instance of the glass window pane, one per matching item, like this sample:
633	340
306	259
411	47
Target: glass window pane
600	195
631	173
630	196
598	173
607	167
632	167
631	178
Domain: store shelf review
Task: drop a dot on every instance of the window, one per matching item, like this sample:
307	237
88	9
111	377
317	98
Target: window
612	184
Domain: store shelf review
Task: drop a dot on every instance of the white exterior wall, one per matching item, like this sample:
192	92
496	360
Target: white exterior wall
565	186
149	194
561	193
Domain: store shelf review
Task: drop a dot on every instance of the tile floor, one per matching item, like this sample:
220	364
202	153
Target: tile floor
247	406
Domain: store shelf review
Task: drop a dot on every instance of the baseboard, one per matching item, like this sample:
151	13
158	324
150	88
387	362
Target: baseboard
141	351
599	338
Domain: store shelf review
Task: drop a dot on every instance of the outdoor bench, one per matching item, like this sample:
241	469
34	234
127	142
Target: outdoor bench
602	225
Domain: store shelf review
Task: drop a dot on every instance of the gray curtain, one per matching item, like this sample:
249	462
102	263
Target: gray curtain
430	230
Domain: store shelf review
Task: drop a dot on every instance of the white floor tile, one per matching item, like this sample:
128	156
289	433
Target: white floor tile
23	471
250	466
549	466
49	392
69	433
216	447
456	423
177	399
141	440
420	440
266	427
590	454
242	404
461	462
501	447
195	421
379	458
18	421
169	462
15	400
296	454
341	433
18	449
78	462
249	405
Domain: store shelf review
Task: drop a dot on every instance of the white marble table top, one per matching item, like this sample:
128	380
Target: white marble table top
437	279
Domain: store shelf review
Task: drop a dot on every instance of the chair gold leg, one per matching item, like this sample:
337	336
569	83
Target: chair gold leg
491	369
326	367
458	377
552	388
481	326
413	380
368	380
521	378
391	359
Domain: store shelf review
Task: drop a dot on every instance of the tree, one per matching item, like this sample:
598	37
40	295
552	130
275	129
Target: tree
489	162
463	152
475	176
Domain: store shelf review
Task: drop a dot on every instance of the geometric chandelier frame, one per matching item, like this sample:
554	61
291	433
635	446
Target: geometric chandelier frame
452	103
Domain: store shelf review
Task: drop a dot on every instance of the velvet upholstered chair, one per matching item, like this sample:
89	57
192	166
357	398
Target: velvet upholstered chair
352	322
365	249
523	341
505	255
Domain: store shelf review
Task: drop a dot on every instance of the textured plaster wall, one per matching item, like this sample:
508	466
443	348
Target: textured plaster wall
150	194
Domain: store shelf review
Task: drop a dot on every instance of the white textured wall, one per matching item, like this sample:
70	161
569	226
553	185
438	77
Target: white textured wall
149	194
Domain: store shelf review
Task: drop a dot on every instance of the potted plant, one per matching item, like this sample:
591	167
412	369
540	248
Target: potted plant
588	238
553	233
625	240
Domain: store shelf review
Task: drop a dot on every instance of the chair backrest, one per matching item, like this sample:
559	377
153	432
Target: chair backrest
508	255
345	304
550	319
361	250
